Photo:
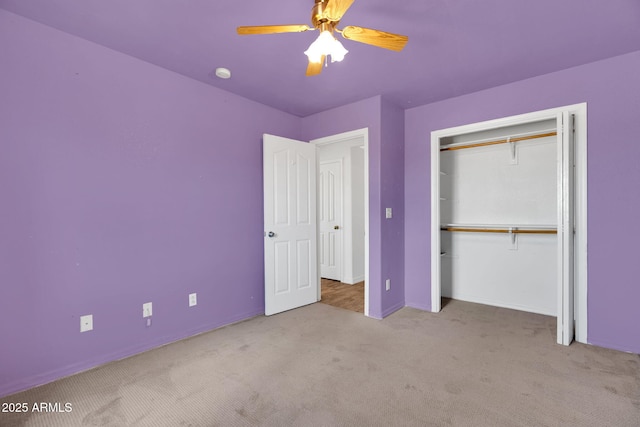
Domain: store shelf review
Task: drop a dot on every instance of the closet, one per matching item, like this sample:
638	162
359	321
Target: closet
509	215
498	208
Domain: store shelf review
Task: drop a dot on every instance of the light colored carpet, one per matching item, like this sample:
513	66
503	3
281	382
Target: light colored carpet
470	365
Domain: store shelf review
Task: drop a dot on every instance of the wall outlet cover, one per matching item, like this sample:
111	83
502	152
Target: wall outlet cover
193	299
147	309
86	323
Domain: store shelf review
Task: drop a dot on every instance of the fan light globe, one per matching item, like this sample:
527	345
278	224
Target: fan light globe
326	45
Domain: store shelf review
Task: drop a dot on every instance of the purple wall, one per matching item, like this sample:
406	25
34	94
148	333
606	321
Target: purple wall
120	183
392	191
611	89
386	158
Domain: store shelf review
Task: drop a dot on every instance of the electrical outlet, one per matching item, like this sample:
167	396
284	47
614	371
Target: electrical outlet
389	213
147	309
86	323
387	284
193	299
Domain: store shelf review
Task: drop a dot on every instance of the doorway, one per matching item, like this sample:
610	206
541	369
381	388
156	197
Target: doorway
568	188
343	217
342	295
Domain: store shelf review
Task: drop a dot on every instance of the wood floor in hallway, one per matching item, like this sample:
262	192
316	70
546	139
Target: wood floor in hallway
338	294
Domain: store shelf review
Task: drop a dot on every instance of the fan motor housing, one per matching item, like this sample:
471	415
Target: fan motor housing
317	19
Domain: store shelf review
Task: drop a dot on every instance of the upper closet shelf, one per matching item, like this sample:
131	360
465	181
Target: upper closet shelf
501	228
508	140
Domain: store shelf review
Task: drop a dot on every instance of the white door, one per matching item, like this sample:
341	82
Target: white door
566	167
290	227
331	221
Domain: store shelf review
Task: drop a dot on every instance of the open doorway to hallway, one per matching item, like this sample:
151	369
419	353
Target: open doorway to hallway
343	220
341	295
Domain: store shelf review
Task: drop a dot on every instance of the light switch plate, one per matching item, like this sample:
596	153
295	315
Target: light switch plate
193	299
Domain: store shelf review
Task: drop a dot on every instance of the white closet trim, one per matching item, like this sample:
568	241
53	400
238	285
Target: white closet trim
580	194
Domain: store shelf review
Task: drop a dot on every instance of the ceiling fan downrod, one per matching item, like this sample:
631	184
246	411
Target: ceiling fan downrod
318	20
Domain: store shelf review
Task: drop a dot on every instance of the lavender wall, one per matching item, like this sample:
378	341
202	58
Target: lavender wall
611	89
120	183
386	158
392	195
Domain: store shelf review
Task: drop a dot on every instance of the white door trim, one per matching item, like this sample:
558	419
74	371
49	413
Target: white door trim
342	137
580	194
566	236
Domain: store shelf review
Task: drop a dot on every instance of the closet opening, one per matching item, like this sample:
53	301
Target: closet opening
508	202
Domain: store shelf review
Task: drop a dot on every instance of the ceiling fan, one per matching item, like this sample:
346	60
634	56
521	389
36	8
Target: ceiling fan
325	16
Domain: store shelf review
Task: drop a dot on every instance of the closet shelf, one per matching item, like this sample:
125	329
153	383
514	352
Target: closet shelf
462	146
493	228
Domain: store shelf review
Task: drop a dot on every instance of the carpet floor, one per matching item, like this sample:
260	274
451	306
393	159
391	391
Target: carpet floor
470	365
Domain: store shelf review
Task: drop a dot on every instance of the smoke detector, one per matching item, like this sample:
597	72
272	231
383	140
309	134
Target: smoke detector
223	73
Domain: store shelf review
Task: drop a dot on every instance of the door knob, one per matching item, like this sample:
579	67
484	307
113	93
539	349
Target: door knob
271	234
336	227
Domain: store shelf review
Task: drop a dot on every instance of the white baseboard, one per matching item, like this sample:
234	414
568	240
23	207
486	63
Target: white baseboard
353	280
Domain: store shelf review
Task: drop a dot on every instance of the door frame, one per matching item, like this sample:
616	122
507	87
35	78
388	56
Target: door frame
580	202
336	139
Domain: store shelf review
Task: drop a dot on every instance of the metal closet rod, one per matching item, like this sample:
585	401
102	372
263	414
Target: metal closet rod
499	141
513	230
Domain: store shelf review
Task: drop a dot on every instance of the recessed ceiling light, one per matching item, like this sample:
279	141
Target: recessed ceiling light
223	73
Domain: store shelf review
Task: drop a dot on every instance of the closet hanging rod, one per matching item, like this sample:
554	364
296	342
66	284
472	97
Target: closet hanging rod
499	141
500	230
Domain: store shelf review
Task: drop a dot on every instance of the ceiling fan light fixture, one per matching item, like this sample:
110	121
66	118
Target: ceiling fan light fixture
326	45
325	16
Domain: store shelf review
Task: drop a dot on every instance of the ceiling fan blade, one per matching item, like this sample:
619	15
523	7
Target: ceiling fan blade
335	9
375	37
272	29
315	68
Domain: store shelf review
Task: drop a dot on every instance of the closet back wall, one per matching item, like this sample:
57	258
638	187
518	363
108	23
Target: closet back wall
120	183
610	88
501	186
